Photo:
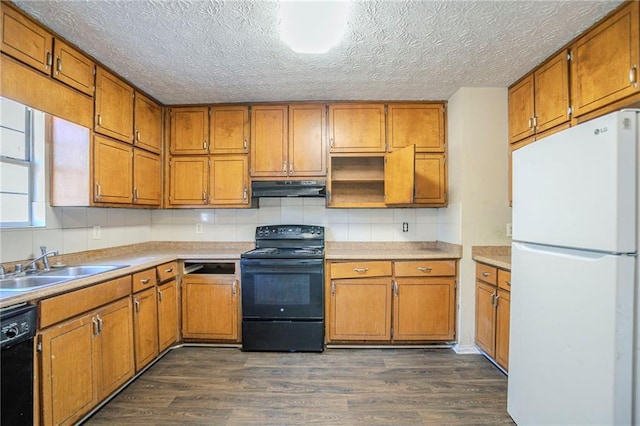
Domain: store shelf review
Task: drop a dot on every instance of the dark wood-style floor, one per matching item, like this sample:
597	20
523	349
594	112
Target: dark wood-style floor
224	386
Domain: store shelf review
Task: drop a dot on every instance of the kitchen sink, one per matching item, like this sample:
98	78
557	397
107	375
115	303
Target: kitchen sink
30	282
81	270
54	276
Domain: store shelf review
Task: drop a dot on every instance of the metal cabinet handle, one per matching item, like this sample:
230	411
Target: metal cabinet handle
204	197
49	59
633	75
98	192
159	295
291	167
507	283
96	331
58	65
424	269
493	300
333	288
137	136
360	270
245	194
284	167
331	142
135	194
99	119
145	280
394	287
530	123
168	270
233	287
496	299
204	145
244	144
137	303
99	323
485	274
535	121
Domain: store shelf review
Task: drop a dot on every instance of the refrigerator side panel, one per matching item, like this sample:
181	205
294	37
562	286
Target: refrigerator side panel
571	337
577	188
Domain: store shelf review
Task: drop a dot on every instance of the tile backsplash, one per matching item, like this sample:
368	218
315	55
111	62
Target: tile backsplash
71	229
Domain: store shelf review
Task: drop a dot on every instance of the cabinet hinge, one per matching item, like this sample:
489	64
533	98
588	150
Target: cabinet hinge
570	56
570	110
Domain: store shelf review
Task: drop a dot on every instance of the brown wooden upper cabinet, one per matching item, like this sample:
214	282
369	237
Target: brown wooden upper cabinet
72	67
113	107
25	40
421	125
604	67
269	140
148	124
540	101
229	130
307	154
112	170
357	128
189	130
147	175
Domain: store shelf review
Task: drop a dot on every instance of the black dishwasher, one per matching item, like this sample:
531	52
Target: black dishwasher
17	328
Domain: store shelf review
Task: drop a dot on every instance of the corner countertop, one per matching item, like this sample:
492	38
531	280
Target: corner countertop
498	256
392	251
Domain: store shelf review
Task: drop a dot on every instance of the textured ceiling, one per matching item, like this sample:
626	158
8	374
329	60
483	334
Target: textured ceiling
211	51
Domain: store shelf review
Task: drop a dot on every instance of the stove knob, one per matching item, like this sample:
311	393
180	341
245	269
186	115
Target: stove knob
11	333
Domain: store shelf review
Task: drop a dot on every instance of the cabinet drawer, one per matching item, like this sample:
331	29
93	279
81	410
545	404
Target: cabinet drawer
422	268
144	279
504	279
166	271
486	273
360	269
68	305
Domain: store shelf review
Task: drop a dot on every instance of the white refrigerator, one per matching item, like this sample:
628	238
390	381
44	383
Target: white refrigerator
574	346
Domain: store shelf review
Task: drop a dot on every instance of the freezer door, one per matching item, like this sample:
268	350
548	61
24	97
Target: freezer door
571	337
577	188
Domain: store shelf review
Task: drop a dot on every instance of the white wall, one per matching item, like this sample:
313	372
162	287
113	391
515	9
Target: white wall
478	201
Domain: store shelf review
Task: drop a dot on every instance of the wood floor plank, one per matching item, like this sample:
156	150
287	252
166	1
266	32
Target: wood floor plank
225	386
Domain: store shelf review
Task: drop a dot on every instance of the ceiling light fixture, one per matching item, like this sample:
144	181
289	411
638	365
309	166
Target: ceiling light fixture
313	26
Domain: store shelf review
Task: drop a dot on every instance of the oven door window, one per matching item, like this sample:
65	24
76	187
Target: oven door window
282	292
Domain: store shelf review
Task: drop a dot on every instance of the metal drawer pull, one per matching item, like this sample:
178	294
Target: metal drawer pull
233	287
58	65
424	269
95	327
632	75
137	302
145	280
99	324
485	274
360	270
168	270
507	283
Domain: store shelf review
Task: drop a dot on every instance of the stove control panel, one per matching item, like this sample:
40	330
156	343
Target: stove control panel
289	232
17	324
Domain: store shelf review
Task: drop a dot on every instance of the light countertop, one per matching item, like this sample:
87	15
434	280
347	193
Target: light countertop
498	256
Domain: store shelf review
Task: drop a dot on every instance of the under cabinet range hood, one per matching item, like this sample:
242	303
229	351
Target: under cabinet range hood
288	188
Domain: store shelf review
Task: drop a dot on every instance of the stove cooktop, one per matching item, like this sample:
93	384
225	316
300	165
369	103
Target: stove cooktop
285	253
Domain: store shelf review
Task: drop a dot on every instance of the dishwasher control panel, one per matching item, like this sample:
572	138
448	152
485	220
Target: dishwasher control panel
17	324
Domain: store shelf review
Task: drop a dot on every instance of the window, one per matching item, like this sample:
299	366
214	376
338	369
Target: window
21	165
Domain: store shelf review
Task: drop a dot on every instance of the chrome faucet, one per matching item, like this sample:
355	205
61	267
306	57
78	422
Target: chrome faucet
32	263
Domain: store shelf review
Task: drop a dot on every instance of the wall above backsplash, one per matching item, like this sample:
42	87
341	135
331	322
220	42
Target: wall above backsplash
73	229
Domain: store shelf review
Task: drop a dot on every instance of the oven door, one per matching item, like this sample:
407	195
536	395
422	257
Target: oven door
275	289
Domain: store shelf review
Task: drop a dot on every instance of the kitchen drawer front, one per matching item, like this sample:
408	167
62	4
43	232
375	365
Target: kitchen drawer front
425	268
360	269
65	306
486	273
144	279
166	271
504	280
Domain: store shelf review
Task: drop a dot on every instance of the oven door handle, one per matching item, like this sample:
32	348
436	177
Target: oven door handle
248	265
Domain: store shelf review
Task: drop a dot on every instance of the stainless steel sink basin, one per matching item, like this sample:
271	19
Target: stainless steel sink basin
30	282
81	270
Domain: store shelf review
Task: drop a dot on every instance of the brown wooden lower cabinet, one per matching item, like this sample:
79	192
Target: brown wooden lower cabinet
145	322
210	307
167	314
493	310
85	359
391	301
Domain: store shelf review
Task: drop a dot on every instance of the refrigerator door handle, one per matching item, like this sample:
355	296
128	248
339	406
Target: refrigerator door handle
562	252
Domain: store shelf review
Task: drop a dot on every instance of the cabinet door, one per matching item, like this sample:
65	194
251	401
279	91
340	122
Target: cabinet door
113	171
146	178
357	128
551	83
399	175
423	309
188	180
502	328
114	107
229	130
25	40
521	109
210	308
167	314
68	374
269	141
147	174
605	61
430	179
422	125
148	122
189	130
307	140
361	309
486	318
114	353
145	327
229	180
73	68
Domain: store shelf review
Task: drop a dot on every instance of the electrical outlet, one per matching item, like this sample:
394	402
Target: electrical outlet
509	230
405	227
97	232
198	228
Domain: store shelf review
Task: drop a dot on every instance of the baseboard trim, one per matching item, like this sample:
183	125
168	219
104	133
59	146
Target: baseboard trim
466	349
